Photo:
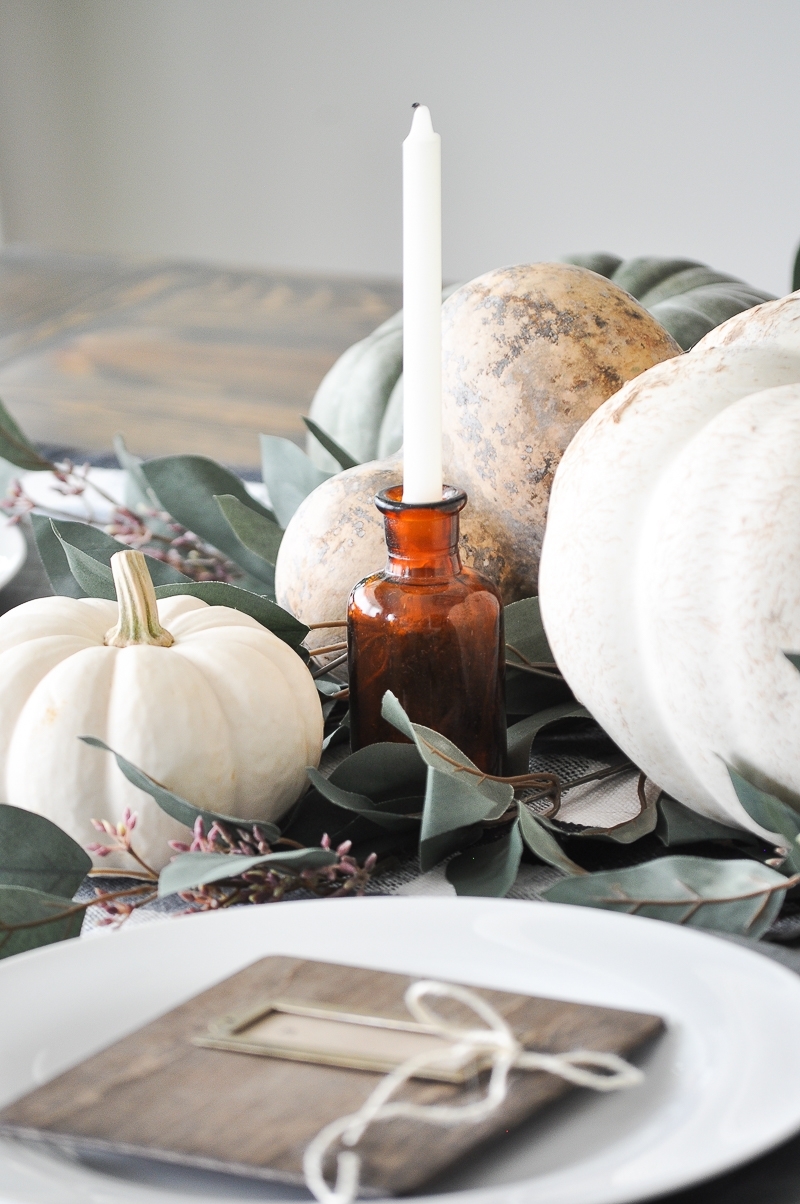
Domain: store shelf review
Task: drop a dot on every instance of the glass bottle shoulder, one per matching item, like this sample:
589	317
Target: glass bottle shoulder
382	593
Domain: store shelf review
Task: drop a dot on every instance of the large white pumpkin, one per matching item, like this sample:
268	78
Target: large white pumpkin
670	574
227	715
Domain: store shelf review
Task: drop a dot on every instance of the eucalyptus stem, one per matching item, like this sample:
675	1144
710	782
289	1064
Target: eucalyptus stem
540	668
694	904
328	648
519	780
7	929
334	664
112	872
608	772
148	869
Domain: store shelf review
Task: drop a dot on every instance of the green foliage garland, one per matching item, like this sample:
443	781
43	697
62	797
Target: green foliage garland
385	801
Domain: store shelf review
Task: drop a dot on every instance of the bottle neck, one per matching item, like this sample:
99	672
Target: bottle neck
422	540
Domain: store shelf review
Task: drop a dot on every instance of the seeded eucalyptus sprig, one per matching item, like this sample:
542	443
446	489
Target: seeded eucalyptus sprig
41	868
194	519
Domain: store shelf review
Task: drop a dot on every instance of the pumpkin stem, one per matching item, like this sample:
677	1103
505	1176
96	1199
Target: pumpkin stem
138	612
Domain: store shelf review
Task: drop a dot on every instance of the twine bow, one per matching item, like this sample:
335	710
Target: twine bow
496	1041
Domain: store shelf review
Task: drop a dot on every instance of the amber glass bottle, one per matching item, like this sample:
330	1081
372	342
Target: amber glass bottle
431	631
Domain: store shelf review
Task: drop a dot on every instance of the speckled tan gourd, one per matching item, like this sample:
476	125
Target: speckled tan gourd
530	352
334	539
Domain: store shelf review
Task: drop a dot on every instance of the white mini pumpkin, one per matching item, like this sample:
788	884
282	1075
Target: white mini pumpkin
670	574
216	708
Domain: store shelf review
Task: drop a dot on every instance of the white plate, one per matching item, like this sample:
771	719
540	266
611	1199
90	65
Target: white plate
720	1086
13	551
42	488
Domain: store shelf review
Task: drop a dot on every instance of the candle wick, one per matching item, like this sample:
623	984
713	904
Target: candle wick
416	104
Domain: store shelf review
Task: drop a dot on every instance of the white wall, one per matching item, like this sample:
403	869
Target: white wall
268	131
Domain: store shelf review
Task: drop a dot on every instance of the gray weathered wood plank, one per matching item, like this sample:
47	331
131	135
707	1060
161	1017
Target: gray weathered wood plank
179	357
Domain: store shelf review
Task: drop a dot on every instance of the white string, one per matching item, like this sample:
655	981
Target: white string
496	1041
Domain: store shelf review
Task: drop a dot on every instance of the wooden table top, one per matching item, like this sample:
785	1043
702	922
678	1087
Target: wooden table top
190	357
179	357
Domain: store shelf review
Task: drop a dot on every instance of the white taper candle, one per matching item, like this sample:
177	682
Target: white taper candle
422	311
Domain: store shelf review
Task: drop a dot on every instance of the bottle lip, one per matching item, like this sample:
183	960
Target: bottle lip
390	501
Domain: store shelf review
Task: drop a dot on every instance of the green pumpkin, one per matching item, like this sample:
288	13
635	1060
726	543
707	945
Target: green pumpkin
360	402
686	297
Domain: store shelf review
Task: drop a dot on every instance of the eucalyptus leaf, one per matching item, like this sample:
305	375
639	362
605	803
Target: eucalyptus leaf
451	817
487	869
363	806
529	693
18	450
54	559
93	577
38	854
457	794
339	735
314	816
178	808
327	685
138	496
190	870
23	905
138	492
260	535
289	475
634	829
341	456
264	610
442	755
383	772
526	691
679	825
521	735
771	813
525	631
543	844
794	657
186	487
325	689
626	832
739	897
88	542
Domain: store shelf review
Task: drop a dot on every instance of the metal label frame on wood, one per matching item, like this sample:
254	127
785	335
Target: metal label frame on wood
235	1034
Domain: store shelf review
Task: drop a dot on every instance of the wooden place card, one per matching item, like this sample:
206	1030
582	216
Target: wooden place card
243	1076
